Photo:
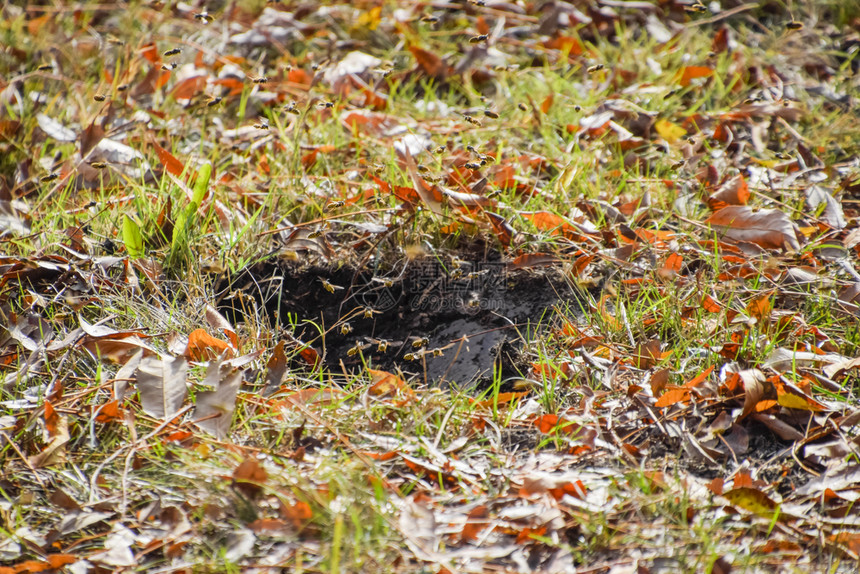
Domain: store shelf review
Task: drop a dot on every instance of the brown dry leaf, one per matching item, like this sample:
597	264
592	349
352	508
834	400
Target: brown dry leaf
690	73
249	477
161	384
760	306
768	228
424	191
755	386
503	229
476	521
432	64
658	381
117	351
385	383
550	222
217	321
648	355
673	396
671	267
533	260
221	402
299	513
204	347
733	192
168	160
275	369
55	452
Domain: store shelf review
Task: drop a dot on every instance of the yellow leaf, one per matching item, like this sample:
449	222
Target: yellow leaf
669	131
371	18
752	500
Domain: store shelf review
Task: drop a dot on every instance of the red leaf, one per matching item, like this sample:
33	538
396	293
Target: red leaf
432	64
169	161
150	52
189	87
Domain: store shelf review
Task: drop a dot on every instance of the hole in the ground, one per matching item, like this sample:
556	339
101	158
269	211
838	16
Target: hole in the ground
458	321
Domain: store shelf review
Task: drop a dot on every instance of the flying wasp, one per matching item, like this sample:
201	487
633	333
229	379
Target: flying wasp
328	286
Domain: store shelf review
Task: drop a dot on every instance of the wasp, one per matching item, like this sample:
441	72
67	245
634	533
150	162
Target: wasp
292	109
384	280
168	67
472	165
595	68
355	349
114	40
334	205
697	8
420	343
99	97
203	17
411	357
429	18
45	67
381	346
213	102
472	120
491	114
368	313
261	80
329	287
263	125
476	274
440	149
794	25
345	329
326	105
478	39
438	352
99	164
49	177
173	52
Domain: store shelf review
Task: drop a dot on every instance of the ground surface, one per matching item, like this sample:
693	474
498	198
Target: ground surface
429	286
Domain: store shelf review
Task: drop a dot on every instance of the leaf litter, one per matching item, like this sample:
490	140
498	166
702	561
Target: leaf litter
469	288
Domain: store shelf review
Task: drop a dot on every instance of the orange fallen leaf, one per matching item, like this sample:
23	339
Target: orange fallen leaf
690	73
385	383
673	396
204	347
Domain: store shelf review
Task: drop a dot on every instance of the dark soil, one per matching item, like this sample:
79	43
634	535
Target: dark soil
457	323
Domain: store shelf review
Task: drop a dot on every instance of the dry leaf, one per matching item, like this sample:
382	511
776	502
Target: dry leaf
221	402
768	228
161	384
